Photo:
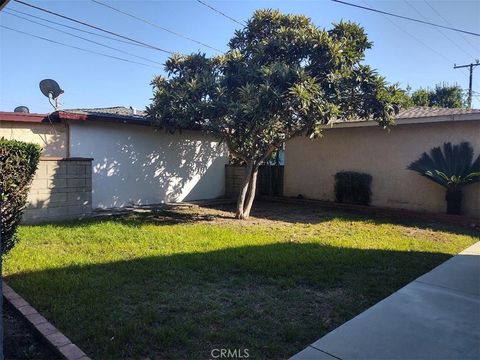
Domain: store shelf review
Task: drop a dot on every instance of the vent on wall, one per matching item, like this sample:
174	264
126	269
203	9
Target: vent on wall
21	109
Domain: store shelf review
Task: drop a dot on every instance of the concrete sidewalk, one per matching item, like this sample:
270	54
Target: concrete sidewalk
437	316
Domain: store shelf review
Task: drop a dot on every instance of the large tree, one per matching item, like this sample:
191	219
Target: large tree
444	95
281	77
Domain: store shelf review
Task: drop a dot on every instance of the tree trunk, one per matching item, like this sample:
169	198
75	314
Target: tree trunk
251	192
249	186
243	192
454	201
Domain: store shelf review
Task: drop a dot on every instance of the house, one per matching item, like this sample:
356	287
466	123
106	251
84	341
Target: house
113	157
310	165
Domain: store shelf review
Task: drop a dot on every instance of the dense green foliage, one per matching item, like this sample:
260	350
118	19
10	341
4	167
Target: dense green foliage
18	163
140	287
353	187
281	77
444	95
452	168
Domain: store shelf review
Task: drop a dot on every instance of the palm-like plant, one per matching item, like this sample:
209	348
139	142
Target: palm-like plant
452	168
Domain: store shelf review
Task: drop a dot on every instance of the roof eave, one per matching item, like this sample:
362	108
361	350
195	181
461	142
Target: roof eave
407	121
25	117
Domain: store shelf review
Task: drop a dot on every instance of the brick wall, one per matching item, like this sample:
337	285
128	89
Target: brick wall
60	190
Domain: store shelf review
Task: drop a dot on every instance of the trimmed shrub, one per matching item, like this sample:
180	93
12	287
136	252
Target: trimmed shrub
18	163
353	187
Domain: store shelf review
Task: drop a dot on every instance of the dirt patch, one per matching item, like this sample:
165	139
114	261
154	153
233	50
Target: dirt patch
277	215
20	342
263	213
430	234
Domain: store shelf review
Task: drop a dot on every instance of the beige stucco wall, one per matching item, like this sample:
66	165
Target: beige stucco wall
52	138
311	164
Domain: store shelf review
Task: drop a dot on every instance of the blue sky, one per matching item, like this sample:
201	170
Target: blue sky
405	52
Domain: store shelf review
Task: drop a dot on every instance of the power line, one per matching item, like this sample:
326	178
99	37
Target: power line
419	40
155	25
449	24
221	13
76	47
82	38
440	31
94	27
76	28
3	3
401	17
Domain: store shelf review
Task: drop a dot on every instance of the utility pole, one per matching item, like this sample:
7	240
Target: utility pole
469	100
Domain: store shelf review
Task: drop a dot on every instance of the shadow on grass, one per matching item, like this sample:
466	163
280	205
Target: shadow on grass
273	299
316	213
264	210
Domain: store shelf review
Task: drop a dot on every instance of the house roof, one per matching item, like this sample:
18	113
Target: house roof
121	114
115	110
109	114
24	117
117	114
415	115
425	111
410	113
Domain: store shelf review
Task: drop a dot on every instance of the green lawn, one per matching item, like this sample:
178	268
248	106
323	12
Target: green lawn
174	285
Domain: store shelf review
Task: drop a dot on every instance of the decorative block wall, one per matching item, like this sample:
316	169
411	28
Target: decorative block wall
269	180
234	175
60	190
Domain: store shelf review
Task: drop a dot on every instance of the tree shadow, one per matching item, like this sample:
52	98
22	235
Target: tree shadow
272	299
167	215
144	165
52	136
315	214
263	213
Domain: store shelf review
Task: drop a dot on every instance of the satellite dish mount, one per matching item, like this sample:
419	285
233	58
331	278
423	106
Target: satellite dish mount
52	91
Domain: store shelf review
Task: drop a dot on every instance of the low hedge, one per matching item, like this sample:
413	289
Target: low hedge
353	187
18	163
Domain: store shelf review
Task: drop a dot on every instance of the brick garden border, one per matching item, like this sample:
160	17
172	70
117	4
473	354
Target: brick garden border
381	211
49	333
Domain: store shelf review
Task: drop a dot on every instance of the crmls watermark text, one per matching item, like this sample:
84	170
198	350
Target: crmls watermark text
229	353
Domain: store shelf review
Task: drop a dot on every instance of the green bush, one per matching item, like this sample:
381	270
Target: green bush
353	187
18	163
451	166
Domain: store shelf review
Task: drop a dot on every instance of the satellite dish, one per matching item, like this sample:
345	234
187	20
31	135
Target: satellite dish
21	109
51	90
50	87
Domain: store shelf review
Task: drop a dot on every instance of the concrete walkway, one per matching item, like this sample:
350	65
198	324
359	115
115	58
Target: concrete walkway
437	316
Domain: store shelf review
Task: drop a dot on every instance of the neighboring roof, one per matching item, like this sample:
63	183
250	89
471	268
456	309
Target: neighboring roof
117	114
424	111
115	110
415	115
